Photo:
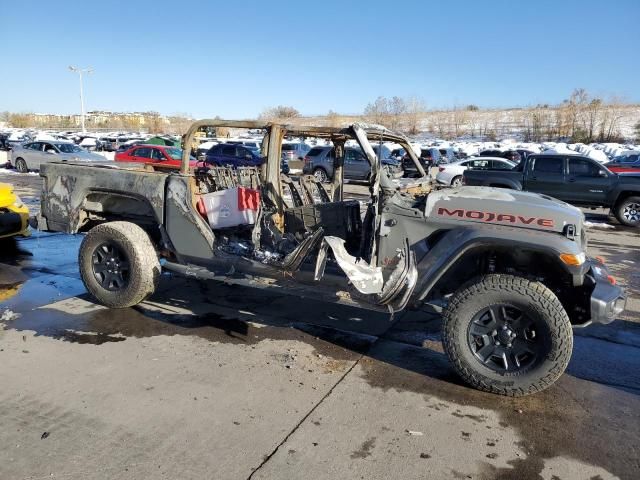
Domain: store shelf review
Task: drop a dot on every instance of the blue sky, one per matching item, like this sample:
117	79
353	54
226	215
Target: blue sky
235	58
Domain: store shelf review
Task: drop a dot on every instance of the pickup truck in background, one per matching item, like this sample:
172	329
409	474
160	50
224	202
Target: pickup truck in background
574	179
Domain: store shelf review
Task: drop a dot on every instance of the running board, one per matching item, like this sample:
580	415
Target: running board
283	286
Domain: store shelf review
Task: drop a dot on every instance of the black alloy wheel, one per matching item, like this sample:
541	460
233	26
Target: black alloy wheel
504	339
110	267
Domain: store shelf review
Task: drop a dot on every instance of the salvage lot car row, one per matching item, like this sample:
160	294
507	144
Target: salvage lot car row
582	181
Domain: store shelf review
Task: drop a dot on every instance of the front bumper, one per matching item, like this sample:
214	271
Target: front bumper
607	300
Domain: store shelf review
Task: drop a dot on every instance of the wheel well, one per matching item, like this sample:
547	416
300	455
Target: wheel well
101	207
480	261
531	264
624	195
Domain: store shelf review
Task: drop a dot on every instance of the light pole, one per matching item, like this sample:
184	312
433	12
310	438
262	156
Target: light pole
80	71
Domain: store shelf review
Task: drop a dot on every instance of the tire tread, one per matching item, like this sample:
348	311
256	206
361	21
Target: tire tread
144	264
560	327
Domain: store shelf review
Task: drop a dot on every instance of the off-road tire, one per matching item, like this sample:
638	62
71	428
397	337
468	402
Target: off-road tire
534	299
321	175
21	165
456	181
624	217
144	266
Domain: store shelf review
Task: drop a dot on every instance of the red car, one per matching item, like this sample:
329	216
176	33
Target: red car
627	163
159	155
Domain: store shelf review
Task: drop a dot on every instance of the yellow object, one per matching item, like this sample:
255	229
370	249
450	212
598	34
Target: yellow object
8	291
10	206
571	259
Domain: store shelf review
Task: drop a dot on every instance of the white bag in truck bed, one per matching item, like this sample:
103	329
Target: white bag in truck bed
230	208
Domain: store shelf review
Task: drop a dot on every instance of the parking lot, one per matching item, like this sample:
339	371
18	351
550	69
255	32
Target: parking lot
208	380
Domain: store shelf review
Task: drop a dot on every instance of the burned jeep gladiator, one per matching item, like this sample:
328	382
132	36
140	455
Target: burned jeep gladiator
507	269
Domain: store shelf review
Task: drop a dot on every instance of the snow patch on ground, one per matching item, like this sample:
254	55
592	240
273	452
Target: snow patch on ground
8	315
598	225
6	171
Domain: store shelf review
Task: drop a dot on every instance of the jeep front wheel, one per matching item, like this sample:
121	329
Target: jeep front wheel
118	264
507	335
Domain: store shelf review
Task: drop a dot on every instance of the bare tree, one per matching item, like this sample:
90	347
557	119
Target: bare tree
590	119
416	107
132	122
397	110
538	123
611	116
441	125
378	111
333	119
155	122
21	120
459	118
179	123
570	113
281	112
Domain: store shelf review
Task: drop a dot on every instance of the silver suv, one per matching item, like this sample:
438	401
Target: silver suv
319	162
294	151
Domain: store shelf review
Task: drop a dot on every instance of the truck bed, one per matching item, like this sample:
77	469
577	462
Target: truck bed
71	189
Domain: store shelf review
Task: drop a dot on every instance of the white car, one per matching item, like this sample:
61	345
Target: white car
451	174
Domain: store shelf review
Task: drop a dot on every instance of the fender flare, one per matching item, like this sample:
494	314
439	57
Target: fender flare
457	243
104	197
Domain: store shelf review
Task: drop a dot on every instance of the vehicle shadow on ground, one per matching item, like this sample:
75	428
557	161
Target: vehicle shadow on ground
11	251
606	354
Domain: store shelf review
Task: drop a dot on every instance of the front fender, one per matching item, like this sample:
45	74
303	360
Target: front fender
457	243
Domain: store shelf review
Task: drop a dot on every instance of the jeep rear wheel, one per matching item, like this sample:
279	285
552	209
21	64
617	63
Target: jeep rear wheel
628	211
118	264
507	335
